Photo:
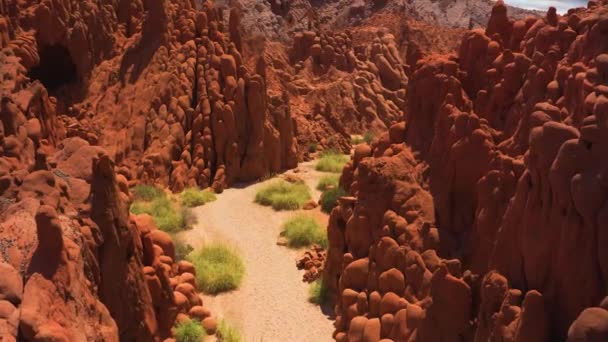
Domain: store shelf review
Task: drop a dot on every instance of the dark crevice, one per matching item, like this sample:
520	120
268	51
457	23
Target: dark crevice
146	134
194	102
56	68
194	105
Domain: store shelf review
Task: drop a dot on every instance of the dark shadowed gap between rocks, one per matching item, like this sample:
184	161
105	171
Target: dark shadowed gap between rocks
56	68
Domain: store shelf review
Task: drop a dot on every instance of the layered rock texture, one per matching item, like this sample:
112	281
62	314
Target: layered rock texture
479	217
346	88
163	88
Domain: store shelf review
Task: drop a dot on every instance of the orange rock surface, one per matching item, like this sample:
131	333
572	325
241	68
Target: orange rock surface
479	217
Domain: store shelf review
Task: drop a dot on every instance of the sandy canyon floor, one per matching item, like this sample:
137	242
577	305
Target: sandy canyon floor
272	302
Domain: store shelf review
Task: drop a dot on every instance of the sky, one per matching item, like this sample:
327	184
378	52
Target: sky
561	5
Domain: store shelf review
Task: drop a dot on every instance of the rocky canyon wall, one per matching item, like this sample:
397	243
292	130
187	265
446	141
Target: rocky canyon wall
480	216
96	97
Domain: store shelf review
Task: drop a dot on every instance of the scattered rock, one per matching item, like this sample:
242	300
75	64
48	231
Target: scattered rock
310	205
210	325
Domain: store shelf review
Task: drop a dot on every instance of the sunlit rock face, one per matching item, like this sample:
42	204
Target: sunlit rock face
481	216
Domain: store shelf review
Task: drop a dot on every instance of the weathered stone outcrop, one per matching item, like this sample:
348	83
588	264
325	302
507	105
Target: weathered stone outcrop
500	152
77	266
346	88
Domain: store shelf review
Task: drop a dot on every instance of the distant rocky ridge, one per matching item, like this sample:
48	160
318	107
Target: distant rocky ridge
460	13
276	19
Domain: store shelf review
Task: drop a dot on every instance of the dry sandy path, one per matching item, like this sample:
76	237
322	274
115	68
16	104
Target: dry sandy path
272	302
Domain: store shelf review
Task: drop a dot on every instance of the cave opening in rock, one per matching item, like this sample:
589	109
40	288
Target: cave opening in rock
56	68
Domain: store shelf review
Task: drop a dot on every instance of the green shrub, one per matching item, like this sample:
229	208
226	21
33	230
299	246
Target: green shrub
182	248
147	192
330	197
331	161
303	231
356	140
327	182
139	208
219	268
312	148
368	137
167	216
227	333
318	293
282	195
189	218
189	331
194	197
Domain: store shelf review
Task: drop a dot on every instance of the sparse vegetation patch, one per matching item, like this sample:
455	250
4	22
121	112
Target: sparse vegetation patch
328	182
331	161
146	192
304	231
194	197
182	248
167	215
282	195
219	268
330	197
227	333
368	137
312	148
189	331
318	294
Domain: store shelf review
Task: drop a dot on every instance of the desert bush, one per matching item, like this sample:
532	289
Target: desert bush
227	333
182	248
189	218
194	197
330	197
318	293
304	231
368	137
219	268
146	192
166	214
331	161
356	140
328	182
189	331
282	195
312	148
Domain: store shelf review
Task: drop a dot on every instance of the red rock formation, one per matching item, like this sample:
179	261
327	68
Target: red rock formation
312	262
345	88
506	164
65	229
77	266
190	112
